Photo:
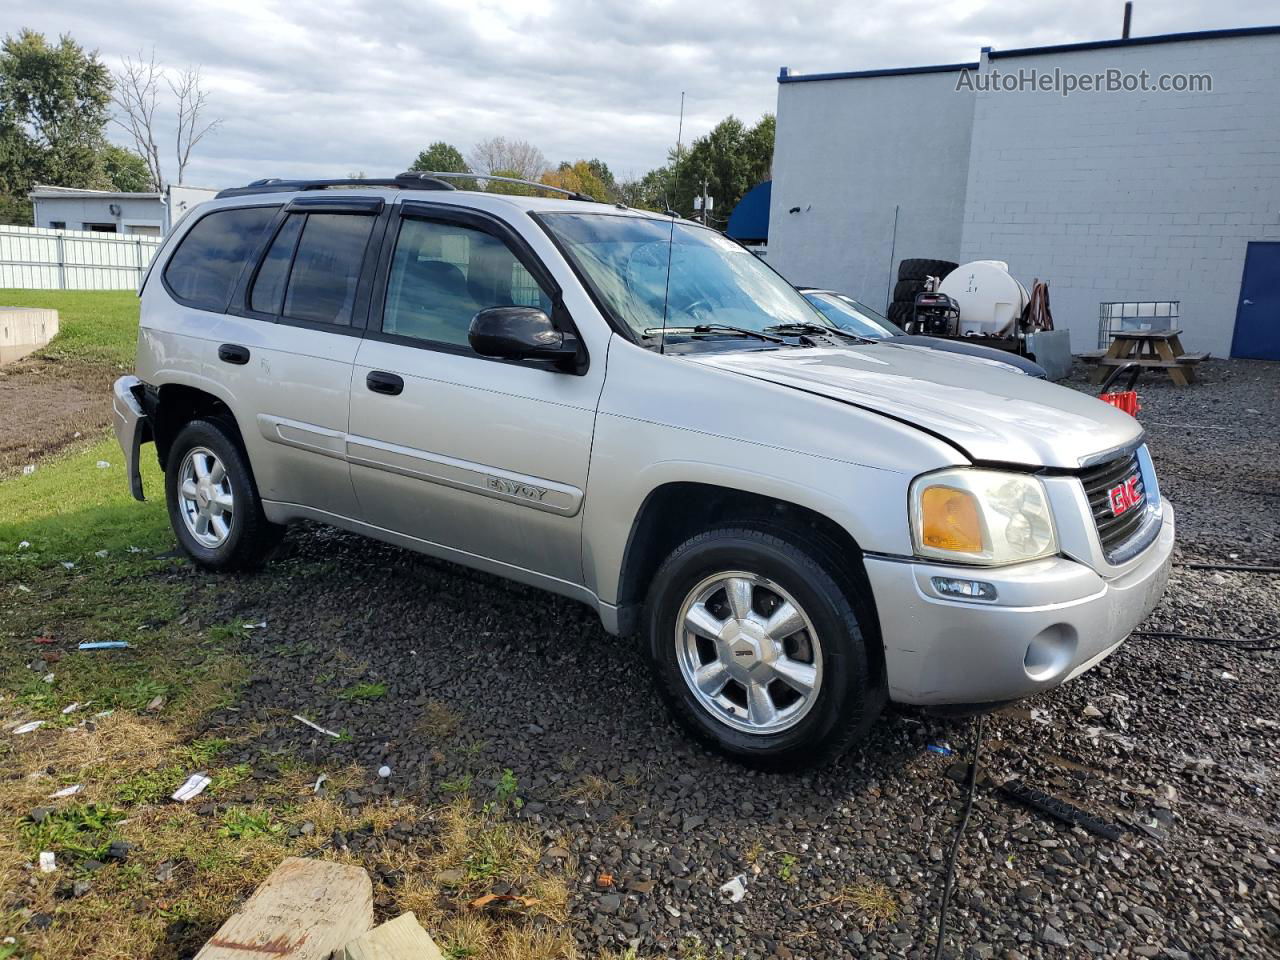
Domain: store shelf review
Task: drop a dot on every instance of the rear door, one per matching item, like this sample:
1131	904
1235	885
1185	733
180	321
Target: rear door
485	458
289	347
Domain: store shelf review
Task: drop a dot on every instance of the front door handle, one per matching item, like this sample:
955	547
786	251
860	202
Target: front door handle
1248	303
381	382
233	353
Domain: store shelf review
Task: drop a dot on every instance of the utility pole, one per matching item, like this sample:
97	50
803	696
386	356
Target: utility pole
704	201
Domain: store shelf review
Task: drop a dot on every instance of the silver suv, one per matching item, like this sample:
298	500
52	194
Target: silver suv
635	412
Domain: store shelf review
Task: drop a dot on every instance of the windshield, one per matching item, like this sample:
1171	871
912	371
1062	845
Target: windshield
848	314
713	280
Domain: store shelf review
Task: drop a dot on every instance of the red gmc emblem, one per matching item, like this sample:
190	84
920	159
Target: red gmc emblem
1124	495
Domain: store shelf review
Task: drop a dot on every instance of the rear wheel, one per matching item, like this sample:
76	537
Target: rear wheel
757	649
213	502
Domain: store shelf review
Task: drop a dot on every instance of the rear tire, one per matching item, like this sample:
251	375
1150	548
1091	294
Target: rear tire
920	268
797	685
213	502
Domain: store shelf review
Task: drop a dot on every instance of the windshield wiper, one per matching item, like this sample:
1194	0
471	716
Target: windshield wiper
816	329
715	328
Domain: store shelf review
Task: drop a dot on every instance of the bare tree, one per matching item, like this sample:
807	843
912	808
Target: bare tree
193	100
137	95
518	158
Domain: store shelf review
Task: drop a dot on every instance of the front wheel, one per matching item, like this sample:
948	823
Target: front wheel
758	650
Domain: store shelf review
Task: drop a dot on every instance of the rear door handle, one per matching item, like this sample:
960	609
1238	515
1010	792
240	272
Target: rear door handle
1248	303
380	382
233	353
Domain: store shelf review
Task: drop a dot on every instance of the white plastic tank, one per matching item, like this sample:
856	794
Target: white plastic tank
991	301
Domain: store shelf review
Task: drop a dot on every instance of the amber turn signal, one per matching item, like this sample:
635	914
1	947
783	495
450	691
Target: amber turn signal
950	520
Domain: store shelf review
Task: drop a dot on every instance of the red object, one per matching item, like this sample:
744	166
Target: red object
1126	400
1123	496
45	640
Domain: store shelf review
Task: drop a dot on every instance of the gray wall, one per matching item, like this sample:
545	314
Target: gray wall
1109	196
1132	196
846	152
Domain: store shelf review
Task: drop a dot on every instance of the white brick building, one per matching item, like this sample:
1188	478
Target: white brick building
1108	195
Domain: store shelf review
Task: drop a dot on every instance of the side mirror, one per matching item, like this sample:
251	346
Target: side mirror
519	333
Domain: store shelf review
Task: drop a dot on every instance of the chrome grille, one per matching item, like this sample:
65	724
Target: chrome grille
1114	531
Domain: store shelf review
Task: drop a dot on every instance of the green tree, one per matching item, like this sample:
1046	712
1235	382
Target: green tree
443	157
648	192
54	100
731	159
126	170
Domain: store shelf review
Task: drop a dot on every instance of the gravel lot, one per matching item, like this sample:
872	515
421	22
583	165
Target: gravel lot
1175	741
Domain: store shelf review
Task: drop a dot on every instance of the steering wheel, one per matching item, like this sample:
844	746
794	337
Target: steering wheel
695	309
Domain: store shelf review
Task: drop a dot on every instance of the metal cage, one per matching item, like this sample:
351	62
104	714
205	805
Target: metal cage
1118	315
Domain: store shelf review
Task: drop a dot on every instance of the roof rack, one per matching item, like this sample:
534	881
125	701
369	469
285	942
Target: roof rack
571	194
410	180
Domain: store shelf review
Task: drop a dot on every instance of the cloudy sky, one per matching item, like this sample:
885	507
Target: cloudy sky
326	87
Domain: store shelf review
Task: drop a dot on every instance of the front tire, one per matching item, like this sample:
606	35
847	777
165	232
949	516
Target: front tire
758	651
213	502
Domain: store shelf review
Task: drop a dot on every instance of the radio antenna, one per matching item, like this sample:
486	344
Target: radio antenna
671	238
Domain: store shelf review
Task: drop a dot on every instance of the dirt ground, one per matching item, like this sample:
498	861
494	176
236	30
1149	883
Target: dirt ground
47	405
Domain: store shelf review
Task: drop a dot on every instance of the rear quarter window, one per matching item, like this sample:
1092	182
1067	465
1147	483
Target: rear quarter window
203	271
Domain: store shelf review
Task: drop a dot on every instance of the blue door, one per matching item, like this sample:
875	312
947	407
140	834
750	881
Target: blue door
1258	314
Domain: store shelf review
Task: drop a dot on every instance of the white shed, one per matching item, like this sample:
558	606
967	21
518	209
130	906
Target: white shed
108	211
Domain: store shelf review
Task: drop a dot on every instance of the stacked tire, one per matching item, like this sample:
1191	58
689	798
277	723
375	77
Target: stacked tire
911	280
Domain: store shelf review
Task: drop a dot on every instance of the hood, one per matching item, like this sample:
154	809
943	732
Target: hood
991	414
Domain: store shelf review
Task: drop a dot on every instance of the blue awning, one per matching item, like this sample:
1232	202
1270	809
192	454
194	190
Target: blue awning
749	222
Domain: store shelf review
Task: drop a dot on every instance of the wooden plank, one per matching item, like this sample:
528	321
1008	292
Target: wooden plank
1183	361
304	910
400	939
1148	334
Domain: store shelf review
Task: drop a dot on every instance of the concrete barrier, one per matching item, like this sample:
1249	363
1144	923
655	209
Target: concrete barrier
24	330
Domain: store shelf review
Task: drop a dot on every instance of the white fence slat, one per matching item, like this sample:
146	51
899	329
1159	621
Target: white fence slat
35	258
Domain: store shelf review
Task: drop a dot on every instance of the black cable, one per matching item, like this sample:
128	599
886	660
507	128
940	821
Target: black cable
1245	645
970	785
1229	567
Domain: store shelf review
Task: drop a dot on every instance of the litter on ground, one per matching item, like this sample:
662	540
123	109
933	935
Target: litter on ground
29	727
316	727
70	791
192	788
48	862
104	645
735	889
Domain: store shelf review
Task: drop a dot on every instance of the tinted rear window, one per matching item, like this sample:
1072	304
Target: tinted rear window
326	268
204	269
268	288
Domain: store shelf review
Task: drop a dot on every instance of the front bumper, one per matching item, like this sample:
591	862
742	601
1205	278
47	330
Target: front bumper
1053	619
132	428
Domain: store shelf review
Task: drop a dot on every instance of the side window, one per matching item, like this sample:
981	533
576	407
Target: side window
326	268
267	295
443	274
204	269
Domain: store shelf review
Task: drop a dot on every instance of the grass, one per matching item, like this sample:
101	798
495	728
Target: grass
364	691
80	560
94	326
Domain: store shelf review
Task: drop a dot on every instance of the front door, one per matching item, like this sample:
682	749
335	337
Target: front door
484	458
1258	313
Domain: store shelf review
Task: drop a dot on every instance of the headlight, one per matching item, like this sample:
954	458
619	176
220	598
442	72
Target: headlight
981	516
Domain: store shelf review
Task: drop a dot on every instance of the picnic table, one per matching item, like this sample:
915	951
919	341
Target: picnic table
1158	349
